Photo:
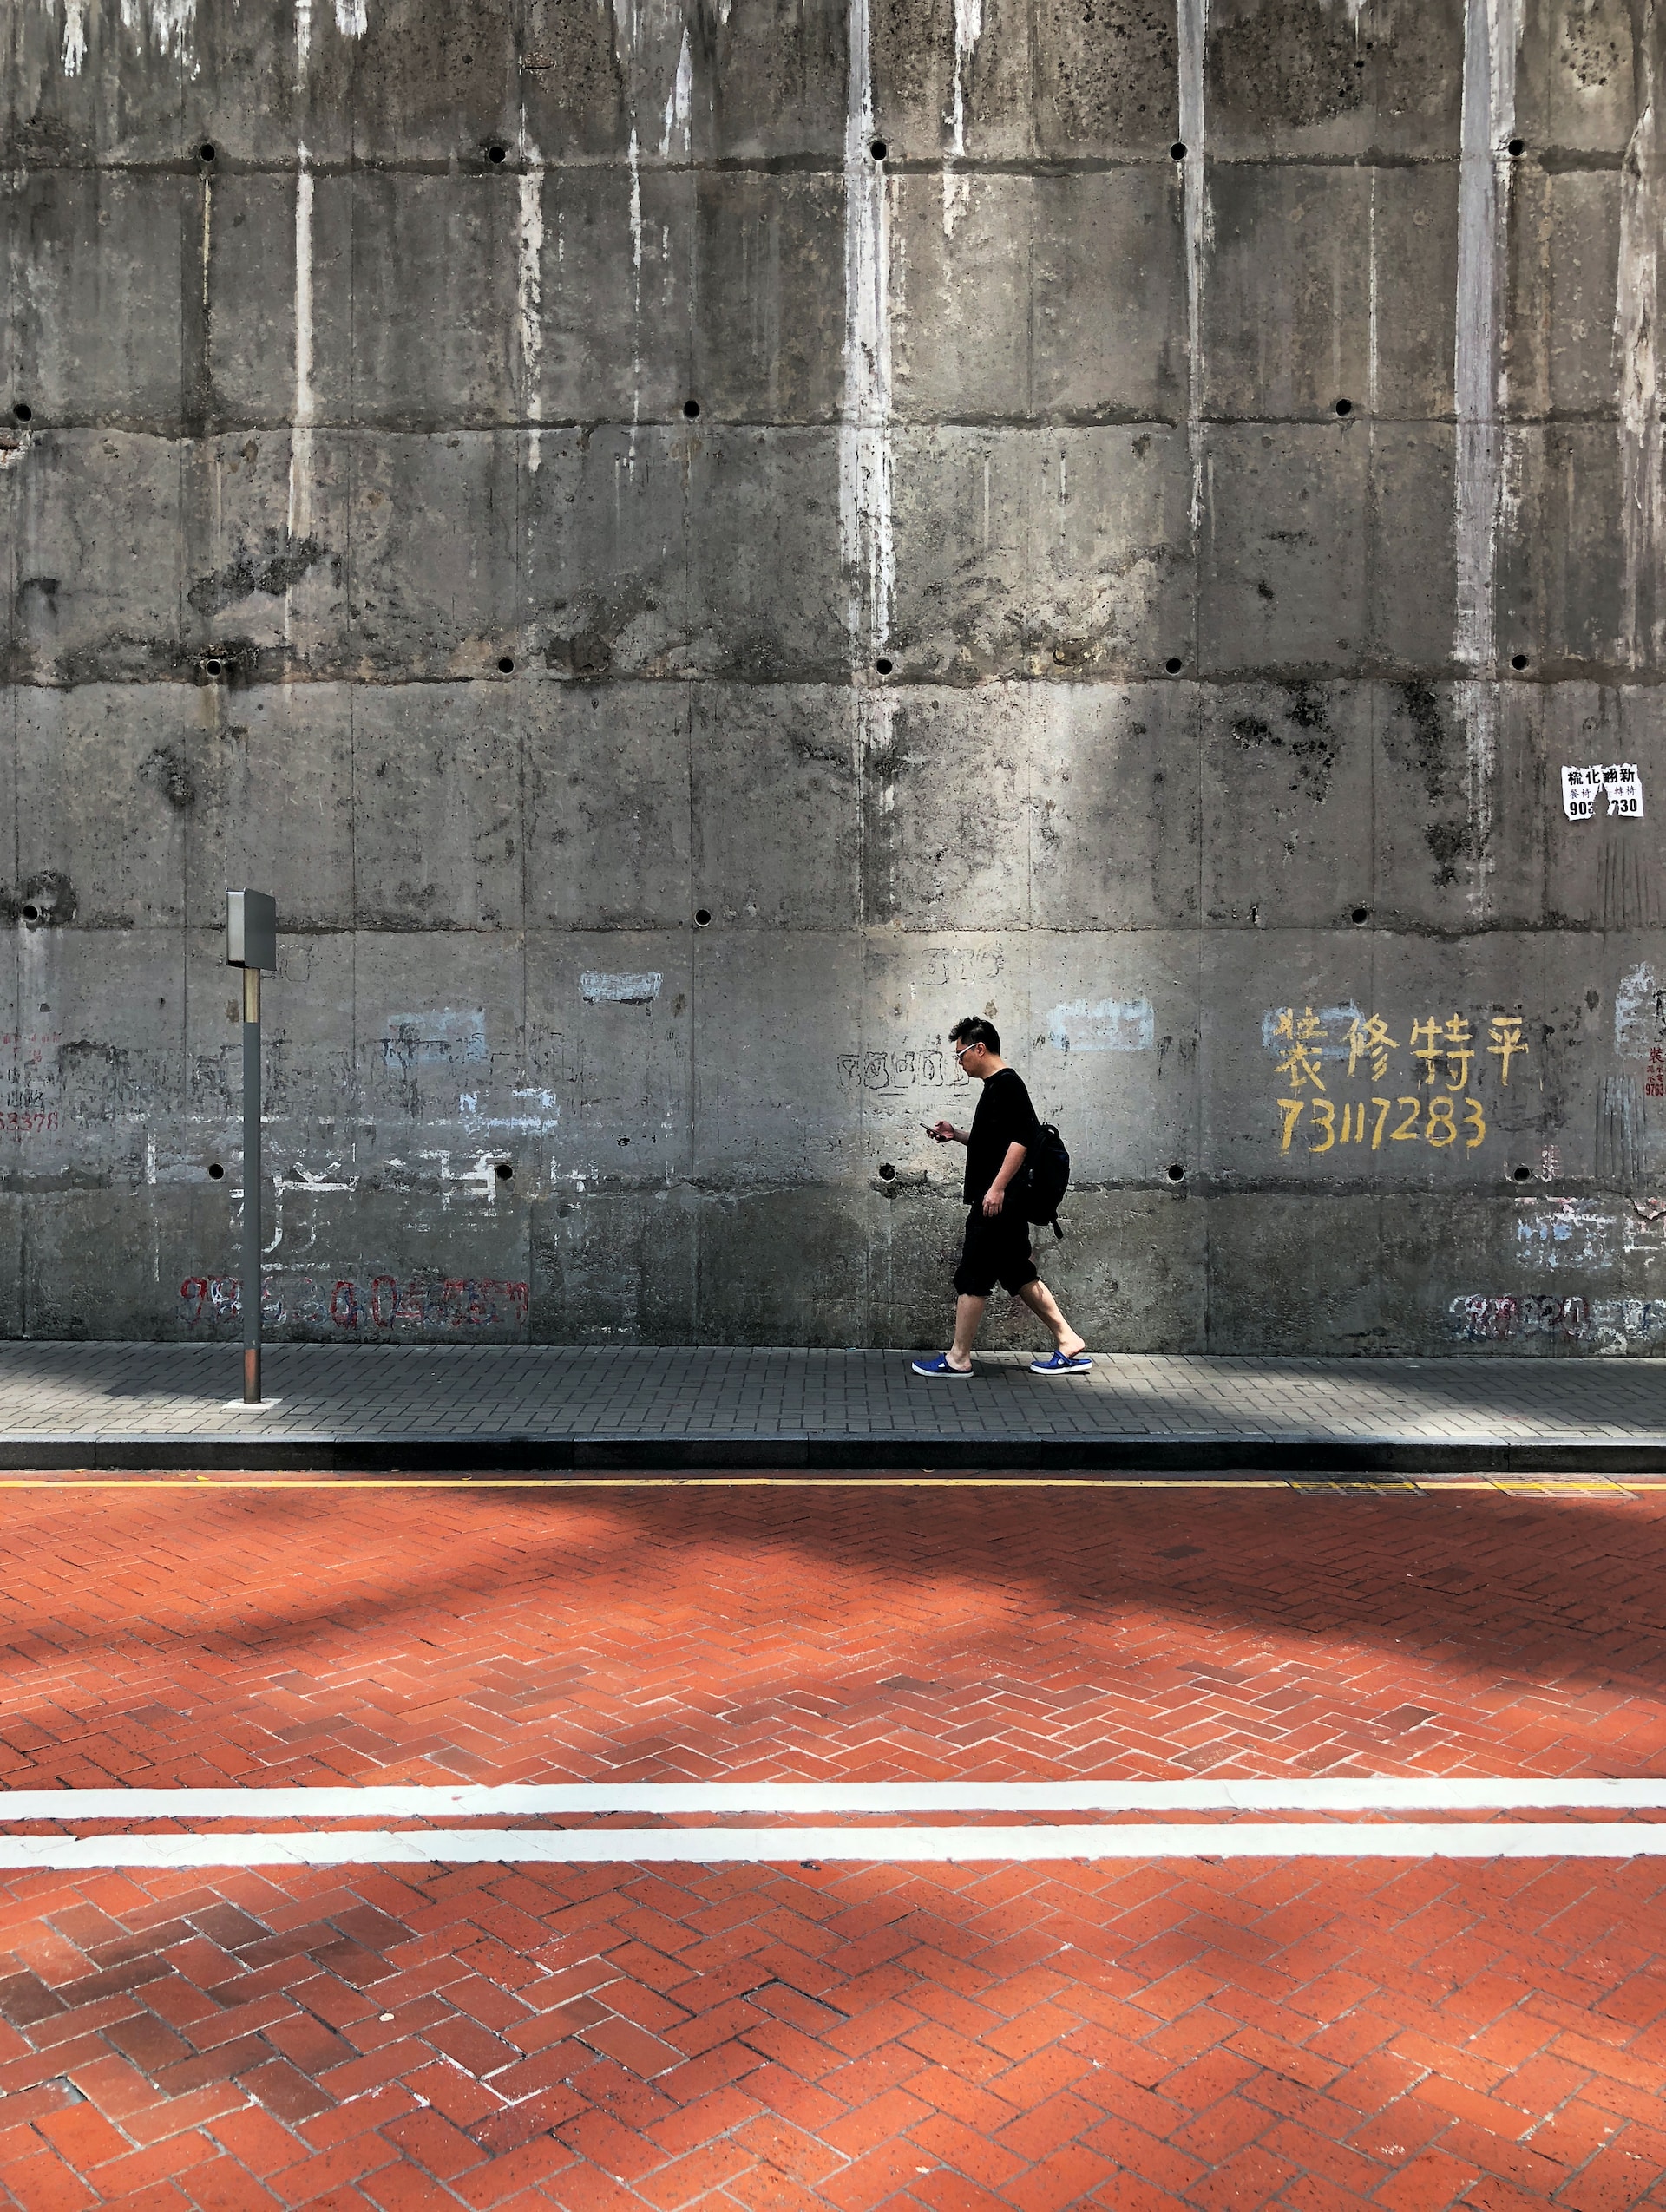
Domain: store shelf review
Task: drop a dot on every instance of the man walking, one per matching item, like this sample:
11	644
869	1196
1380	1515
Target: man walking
997	1234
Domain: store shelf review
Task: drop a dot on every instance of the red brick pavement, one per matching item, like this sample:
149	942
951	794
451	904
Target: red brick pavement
971	2038
201	1636
968	2040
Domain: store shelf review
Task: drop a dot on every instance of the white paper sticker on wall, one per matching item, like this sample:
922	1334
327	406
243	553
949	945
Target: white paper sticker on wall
1620	784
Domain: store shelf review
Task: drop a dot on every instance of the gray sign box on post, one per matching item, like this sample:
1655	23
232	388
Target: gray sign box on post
251	930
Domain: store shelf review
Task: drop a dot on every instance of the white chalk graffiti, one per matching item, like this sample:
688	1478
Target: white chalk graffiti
1640	1016
1102	1025
1330	1038
602	990
449	1036
1589	1235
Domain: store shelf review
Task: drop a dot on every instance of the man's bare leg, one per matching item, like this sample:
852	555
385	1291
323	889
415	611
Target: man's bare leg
968	1314
1042	1303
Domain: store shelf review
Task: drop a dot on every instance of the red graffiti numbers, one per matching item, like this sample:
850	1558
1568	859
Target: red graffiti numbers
344	1306
1497	1319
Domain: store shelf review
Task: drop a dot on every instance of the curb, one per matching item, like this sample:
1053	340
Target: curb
1317	1456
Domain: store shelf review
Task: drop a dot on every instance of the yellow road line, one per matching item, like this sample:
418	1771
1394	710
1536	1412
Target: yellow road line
1581	1486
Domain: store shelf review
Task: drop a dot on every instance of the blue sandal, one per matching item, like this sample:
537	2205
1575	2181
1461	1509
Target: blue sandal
1062	1362
941	1366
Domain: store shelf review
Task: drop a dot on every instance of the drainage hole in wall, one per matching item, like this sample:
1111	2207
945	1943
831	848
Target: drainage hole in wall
24	411
1344	407
885	665
887	1174
31	913
1518	660
216	1173
1172	664
506	666
691	410
702	915
1521	1174
624	1140
495	152
1176	1172
877	149
1518	146
211	668
503	1170
1360	914
1178	151
205	152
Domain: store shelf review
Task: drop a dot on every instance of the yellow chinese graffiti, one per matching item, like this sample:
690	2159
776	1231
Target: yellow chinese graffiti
1447	1062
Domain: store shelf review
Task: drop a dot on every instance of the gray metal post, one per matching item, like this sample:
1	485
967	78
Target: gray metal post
251	1186
251	945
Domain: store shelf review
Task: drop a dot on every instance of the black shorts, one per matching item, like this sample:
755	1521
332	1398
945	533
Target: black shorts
996	1250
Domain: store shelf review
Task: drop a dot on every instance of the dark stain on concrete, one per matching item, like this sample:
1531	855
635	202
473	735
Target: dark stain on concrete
1291	63
1311	752
47	900
171	773
285	562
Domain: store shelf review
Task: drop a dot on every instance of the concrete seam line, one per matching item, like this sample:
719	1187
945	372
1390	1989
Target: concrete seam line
777	1846
417	1800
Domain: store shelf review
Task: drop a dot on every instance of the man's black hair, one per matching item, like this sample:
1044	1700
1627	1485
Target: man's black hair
975	1030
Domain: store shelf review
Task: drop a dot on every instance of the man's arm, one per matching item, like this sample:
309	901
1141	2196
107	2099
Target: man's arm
995	1197
945	1133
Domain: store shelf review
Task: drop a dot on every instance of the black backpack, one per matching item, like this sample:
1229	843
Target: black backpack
1046	1177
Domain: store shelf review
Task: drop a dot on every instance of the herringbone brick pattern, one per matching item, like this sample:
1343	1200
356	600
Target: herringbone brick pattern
202	1636
760	2038
965	2038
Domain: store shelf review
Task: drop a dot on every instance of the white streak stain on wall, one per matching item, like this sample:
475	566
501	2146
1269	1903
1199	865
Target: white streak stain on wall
646	35
303	36
168	25
300	436
969	29
1636	306
635	162
529	292
1191	22
74	37
351	20
675	139
1492	29
867	553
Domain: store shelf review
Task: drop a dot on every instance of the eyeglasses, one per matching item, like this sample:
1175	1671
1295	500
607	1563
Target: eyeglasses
960	1051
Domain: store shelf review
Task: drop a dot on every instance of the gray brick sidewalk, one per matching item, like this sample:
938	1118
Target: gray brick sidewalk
409	1407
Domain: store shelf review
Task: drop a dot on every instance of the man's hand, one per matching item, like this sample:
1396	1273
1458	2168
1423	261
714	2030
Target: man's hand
994	1199
945	1133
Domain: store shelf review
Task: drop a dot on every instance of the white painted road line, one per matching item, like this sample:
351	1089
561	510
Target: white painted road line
777	1846
1309	1794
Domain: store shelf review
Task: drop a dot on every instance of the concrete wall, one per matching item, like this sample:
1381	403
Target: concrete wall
691	544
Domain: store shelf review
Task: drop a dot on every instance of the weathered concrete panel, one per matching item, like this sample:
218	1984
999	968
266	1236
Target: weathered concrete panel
692	547
97	558
763	755
607	822
95	329
436	809
769	298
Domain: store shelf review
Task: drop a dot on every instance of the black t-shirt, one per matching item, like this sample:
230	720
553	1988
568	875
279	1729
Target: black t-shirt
1005	1116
